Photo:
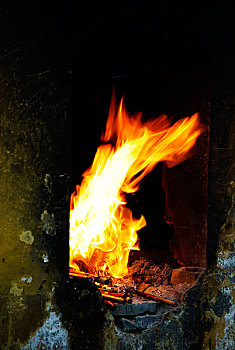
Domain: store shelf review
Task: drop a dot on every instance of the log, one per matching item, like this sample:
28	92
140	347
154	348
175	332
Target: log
154	297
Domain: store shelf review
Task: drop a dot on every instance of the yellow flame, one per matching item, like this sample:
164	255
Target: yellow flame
102	228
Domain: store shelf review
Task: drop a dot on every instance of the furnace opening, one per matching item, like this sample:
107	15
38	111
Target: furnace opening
170	252
111	242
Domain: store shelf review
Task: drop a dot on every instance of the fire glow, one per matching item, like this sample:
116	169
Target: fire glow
102	229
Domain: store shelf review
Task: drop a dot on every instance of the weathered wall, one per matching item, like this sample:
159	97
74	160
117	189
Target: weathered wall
34	169
38	308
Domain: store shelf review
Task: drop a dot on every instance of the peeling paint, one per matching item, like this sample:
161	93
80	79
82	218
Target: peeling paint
16	301
27	280
131	341
228	339
27	237
226	265
219	316
16	290
51	335
48	223
226	260
48	182
45	258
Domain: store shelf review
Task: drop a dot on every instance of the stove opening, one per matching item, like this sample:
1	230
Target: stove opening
165	71
138	218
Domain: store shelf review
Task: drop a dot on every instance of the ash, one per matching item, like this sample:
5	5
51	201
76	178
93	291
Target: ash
158	280
150	280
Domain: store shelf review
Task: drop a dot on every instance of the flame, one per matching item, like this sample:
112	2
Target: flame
102	228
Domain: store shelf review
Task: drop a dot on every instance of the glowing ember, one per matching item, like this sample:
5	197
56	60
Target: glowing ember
102	228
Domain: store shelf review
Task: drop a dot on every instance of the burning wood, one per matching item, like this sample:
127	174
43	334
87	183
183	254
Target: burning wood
154	297
73	271
144	272
113	298
81	275
97	279
104	287
110	304
122	295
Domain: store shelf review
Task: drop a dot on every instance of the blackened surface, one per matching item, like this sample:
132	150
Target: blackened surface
222	304
149	201
221	170
187	82
82	313
146	53
121	48
34	124
36	64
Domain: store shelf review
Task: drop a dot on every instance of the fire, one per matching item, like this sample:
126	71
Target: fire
102	228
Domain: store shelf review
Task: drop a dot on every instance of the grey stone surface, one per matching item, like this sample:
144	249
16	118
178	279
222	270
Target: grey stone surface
135	309
51	335
139	323
127	325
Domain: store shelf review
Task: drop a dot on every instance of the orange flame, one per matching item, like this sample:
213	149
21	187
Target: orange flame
102	228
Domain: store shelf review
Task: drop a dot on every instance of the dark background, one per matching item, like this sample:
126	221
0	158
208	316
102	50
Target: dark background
155	53
135	46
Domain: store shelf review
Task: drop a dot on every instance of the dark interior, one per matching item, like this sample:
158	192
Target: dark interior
159	64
